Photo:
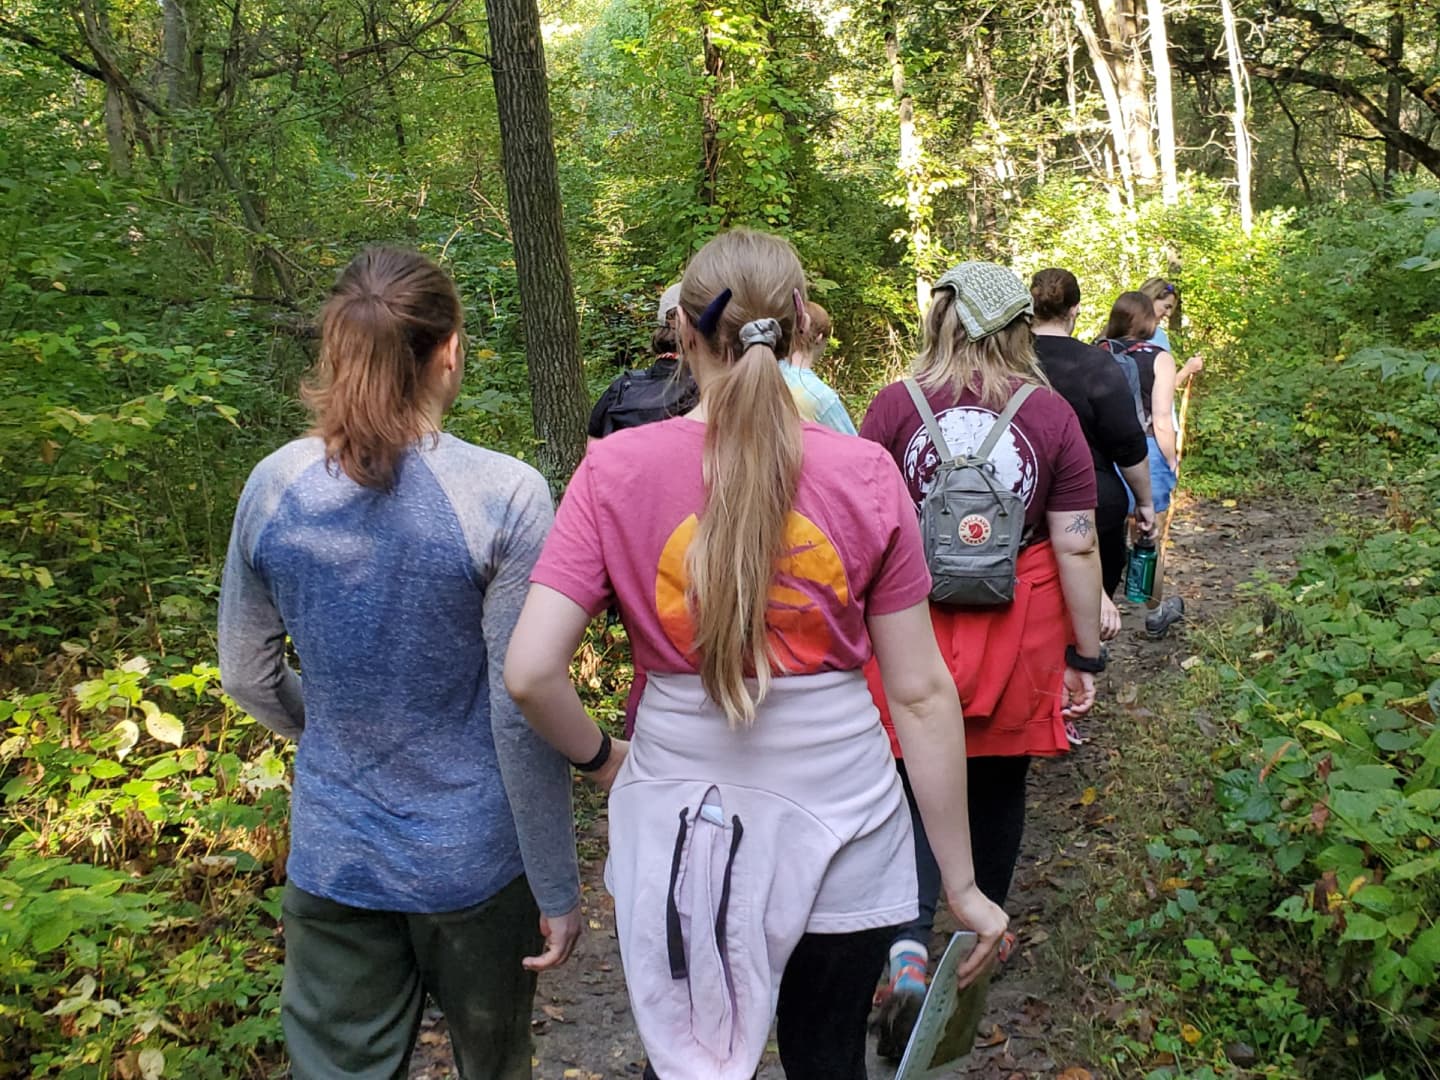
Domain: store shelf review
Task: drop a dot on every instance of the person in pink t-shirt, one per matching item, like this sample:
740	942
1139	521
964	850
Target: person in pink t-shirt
760	846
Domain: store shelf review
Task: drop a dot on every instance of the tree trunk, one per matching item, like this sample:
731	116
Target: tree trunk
1164	102
1237	118
115	139
542	264
709	122
1110	92
1120	21
908	161
176	52
1392	100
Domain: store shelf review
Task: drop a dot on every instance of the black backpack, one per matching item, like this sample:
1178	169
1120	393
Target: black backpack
643	397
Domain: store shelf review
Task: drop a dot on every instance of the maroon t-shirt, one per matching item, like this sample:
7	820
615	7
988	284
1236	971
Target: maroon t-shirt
1043	457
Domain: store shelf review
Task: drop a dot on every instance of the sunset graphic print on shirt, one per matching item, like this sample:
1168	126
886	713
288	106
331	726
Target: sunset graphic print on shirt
799	634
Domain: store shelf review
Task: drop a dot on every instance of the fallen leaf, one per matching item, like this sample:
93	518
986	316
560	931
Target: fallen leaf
1190	1033
1319	815
1190	662
554	1012
1075	1072
1088	796
995	1038
1171	884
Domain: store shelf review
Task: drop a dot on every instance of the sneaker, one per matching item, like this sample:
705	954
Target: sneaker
900	1005
1159	621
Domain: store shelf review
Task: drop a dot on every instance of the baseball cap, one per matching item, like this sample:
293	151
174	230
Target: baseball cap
669	301
988	297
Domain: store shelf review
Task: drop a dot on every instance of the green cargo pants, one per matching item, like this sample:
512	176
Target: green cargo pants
355	985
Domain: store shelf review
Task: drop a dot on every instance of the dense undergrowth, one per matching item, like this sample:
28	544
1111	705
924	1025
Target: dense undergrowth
1291	882
144	828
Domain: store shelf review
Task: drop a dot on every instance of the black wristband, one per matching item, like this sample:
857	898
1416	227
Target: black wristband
601	756
1091	665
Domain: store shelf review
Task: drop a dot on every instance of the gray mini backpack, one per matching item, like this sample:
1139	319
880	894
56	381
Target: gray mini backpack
971	523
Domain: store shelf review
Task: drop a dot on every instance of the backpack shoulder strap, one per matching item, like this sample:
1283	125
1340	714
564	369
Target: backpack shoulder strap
1003	421
932	426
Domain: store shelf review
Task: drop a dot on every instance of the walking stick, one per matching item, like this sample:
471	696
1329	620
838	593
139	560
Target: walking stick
1170	516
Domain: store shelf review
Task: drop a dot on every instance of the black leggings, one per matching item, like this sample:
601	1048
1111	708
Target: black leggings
997	822
825	998
1110	528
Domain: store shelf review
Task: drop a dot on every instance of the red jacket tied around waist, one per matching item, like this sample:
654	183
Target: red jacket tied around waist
1008	664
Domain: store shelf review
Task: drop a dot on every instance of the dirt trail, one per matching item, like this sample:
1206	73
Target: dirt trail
582	1024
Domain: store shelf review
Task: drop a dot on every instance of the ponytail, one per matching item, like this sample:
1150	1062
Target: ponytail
752	455
389	313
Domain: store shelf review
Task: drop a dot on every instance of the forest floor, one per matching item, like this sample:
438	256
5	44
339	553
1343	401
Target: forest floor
1046	1014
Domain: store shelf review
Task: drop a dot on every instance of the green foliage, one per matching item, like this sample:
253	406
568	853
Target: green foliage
1328	366
1297	916
146	830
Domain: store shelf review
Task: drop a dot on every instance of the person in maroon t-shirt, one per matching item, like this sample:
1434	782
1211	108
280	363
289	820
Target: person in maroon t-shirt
1024	669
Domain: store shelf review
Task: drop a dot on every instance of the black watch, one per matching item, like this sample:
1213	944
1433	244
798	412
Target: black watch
601	756
1091	665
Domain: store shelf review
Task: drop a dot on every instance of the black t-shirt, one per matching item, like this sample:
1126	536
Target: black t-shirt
1092	382
643	397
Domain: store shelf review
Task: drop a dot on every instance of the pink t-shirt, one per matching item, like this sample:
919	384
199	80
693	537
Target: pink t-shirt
1043	457
630	512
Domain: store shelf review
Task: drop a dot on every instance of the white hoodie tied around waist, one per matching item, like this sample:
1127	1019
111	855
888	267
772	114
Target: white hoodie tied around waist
727	845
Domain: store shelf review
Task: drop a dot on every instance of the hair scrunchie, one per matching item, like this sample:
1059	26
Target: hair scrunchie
760	332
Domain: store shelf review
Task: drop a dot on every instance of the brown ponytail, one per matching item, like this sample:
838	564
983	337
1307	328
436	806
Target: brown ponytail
388	314
1131	316
753	450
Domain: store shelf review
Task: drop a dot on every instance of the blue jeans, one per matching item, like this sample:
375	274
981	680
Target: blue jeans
1162	479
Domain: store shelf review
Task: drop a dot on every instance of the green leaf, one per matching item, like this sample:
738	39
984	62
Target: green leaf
1361	927
50	932
1416	868
1201	948
1426	947
1320	728
1376	898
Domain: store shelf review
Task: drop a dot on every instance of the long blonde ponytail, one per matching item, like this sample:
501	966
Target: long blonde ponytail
752	456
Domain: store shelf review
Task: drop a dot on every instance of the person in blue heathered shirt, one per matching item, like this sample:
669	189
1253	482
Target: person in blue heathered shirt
432	846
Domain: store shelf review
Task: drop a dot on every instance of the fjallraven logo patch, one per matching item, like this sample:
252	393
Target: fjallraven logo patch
974	529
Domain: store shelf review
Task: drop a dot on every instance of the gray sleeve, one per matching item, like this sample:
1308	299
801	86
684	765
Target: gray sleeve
505	535
253	669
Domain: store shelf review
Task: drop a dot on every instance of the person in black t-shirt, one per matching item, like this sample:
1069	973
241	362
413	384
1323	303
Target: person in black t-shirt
1096	388
657	393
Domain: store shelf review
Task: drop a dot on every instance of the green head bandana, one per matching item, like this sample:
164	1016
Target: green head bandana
988	297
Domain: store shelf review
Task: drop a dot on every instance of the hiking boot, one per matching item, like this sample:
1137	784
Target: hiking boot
900	1005
1159	621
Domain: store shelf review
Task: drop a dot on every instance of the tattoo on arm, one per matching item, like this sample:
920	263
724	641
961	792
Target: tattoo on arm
1080	525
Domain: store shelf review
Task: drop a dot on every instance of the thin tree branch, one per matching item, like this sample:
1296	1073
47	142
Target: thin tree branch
25	37
1377	52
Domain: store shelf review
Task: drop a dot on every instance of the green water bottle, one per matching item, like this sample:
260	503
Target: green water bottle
1140	573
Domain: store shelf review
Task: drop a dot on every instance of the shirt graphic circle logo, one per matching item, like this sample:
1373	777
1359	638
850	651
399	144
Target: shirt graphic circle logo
974	529
1014	459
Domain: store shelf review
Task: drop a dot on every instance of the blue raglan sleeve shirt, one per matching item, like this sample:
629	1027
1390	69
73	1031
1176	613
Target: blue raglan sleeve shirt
418	786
